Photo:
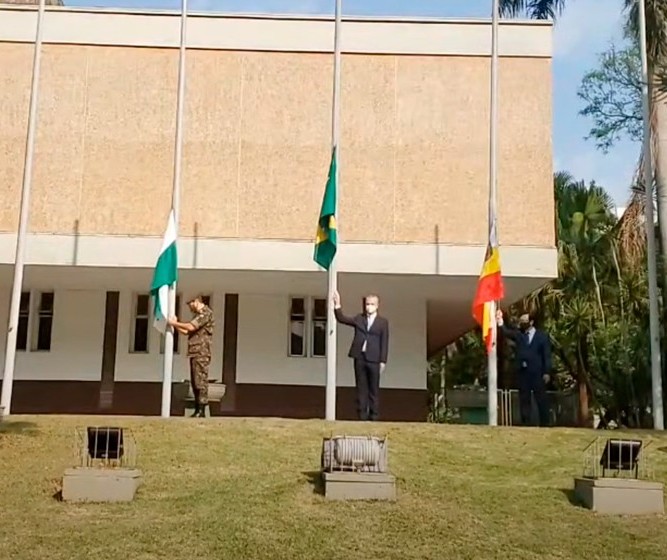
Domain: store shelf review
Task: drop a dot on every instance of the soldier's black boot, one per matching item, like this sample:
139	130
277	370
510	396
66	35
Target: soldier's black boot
202	411
195	414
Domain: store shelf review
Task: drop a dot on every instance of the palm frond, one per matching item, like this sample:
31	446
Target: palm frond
534	9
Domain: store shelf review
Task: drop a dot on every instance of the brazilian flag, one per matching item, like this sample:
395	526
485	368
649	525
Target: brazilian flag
326	239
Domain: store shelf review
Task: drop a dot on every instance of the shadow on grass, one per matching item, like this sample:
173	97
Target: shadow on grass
8	427
663	449
572	497
315	480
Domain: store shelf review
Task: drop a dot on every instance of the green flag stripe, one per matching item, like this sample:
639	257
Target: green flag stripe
326	242
166	269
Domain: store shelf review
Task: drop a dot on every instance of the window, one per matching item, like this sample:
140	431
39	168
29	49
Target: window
297	342
141	320
318	324
24	322
311	341
176	333
44	322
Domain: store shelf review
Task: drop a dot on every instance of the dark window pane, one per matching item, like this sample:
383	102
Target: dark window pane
44	333
320	338
24	305
22	333
320	309
46	302
298	307
297	338
140	335
142	305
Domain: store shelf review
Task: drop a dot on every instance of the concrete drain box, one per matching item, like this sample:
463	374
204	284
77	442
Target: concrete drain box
618	479
106	469
355	468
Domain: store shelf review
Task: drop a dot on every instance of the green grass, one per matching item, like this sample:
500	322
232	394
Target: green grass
243	489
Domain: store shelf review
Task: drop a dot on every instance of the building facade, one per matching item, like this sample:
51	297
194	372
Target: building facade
413	197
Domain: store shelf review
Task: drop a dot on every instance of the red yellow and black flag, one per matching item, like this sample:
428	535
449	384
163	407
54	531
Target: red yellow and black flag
490	288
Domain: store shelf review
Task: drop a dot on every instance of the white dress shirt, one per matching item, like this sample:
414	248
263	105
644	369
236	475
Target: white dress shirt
369	323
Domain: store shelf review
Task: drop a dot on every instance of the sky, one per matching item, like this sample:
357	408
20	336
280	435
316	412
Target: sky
578	40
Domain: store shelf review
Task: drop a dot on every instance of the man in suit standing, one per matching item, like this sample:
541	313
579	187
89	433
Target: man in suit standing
369	350
533	363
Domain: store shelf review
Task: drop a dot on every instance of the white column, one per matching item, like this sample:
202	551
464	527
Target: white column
654	319
24	217
332	276
493	182
175	204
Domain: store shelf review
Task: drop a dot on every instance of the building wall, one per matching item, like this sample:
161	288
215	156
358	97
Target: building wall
414	153
76	343
148	367
263	335
262	354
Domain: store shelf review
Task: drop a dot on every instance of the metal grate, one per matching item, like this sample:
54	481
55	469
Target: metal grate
105	447
618	458
355	454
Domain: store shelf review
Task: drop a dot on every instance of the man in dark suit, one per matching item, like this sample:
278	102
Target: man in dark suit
533	363
369	350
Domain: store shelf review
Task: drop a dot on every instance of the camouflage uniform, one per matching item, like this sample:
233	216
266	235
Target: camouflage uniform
199	353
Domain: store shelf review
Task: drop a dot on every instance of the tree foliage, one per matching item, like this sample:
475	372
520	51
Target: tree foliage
612	94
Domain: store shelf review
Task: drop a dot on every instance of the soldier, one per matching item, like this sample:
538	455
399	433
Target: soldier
200	336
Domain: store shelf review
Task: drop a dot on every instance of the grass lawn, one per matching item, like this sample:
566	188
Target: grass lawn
243	489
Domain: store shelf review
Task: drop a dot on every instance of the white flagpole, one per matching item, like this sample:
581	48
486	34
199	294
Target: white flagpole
332	346
175	204
493	170
24	216
654	321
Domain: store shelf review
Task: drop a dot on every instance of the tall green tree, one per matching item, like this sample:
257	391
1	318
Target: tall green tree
612	94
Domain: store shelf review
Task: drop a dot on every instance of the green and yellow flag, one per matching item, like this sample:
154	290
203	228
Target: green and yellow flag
326	238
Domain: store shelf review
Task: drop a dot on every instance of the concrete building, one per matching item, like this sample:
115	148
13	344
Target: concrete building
413	199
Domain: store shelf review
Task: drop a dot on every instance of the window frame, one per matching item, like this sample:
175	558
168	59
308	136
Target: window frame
27	317
311	323
290	321
133	323
34	323
309	326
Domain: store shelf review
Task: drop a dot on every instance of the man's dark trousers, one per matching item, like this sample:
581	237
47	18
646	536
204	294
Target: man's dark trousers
367	378
533	384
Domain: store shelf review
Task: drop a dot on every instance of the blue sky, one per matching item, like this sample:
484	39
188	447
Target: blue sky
578	39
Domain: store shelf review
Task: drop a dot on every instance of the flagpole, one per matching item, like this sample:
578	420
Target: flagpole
24	216
654	321
493	179
167	375
332	275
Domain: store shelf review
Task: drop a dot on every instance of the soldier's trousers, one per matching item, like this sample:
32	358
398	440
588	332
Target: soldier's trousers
199	378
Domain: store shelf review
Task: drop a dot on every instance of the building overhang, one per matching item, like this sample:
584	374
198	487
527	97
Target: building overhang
362	35
274	255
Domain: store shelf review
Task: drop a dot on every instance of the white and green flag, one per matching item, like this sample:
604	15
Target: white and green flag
165	275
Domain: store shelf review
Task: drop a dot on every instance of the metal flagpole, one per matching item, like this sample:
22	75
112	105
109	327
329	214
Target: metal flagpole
332	346
175	204
654	321
24	215
493	169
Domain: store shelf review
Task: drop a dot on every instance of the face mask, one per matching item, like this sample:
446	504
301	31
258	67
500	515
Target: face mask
370	309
